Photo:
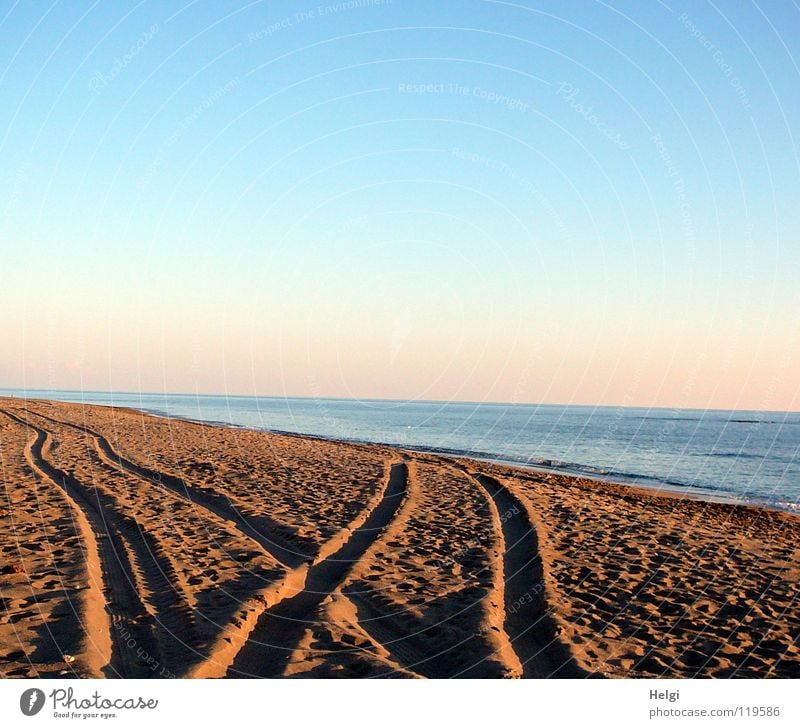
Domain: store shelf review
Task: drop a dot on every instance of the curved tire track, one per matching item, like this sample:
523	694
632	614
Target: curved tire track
230	640
131	633
278	548
96	648
155	576
533	632
278	631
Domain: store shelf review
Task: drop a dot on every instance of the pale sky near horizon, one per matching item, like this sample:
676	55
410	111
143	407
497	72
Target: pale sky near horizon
589	203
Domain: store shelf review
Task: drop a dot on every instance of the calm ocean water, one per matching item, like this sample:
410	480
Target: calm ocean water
747	456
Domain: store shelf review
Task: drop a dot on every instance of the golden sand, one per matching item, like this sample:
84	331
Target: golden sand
139	546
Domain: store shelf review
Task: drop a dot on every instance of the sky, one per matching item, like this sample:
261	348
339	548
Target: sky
576	203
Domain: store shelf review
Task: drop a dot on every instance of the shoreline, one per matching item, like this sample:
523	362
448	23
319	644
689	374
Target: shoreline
659	487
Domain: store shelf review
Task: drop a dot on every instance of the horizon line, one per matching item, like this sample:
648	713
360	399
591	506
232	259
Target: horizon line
389	399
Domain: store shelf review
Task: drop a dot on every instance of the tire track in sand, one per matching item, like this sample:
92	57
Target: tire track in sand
126	621
279	629
412	647
532	631
219	505
96	648
161	590
231	638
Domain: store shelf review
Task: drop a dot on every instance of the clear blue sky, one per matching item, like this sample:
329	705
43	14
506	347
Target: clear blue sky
539	201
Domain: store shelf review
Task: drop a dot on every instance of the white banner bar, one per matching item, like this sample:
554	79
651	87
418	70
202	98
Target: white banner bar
400	704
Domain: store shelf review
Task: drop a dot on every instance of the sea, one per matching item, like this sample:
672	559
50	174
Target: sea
733	456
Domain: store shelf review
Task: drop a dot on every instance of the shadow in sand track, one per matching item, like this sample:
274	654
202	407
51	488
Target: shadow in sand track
533	632
279	630
171	618
132	627
277	539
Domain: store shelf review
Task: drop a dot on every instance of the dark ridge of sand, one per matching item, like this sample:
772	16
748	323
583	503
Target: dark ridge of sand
139	546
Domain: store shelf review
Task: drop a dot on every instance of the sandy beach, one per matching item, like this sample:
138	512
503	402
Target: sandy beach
140	546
